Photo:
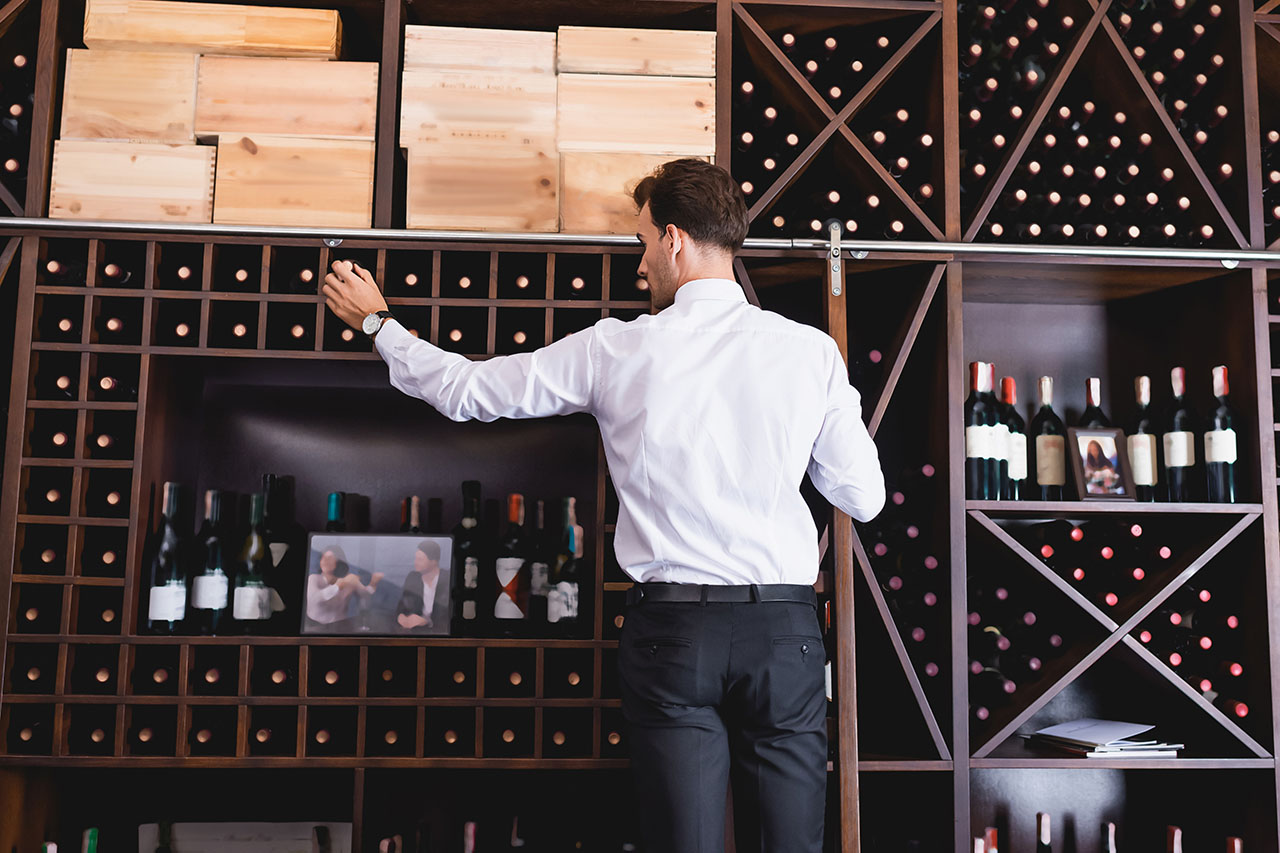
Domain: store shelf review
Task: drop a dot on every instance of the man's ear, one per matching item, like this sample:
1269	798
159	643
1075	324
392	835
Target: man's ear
676	236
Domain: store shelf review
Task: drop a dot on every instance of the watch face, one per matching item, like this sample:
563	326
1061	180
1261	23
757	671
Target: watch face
371	324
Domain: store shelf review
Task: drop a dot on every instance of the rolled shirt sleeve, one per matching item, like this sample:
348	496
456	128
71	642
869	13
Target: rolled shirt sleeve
844	463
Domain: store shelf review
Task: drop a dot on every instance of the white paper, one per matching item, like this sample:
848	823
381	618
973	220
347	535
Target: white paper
245	837
1095	732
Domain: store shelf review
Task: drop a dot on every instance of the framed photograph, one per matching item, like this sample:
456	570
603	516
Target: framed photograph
377	584
1101	464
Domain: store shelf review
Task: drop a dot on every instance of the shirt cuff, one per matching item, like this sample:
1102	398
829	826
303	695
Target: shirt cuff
392	338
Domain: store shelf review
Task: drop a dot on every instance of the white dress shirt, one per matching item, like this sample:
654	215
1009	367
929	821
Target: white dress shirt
711	411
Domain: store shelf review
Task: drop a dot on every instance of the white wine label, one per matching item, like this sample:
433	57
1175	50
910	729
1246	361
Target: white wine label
1051	460
470	573
277	603
1017	456
278	550
168	602
1142	458
209	592
977	442
1000	441
562	602
505	607
1220	445
1179	449
469	610
507	568
252	602
539	581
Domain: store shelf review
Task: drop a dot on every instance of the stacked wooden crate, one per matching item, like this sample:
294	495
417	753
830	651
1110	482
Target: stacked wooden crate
290	138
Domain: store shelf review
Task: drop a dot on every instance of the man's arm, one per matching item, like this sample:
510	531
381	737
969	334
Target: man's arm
844	463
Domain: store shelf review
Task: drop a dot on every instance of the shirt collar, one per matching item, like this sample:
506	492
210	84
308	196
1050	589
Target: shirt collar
710	288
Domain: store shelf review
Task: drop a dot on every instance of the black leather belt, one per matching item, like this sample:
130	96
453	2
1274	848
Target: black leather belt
709	593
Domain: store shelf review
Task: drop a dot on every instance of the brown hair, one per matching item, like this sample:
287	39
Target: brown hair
698	198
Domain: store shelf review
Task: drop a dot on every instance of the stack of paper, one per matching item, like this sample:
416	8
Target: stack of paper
1104	739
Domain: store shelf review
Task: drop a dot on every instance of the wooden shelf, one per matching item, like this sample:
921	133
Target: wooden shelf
1068	509
314	641
904	766
1122	764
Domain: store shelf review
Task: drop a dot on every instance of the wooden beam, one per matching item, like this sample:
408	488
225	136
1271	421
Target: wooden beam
48	66
908	340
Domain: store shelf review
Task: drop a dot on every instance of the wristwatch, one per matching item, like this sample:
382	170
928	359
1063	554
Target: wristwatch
373	322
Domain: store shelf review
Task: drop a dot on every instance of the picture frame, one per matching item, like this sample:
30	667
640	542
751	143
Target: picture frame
360	584
1100	463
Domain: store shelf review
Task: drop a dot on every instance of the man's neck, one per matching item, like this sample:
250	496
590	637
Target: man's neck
718	271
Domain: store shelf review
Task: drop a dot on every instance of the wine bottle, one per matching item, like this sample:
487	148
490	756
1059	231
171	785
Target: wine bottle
252	603
1143	457
1044	842
167	604
467	544
542	553
1179	440
1049	445
511	567
1109	838
982	435
286	547
1016	483
211	585
336	522
566	575
1092	416
1174	839
1220	444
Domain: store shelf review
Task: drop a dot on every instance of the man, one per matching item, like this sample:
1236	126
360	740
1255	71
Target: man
711	412
418	607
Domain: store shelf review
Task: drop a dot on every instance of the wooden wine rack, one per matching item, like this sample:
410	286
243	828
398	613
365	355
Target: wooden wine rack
908	321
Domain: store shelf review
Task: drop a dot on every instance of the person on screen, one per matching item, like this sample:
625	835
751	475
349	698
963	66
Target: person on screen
329	591
1099	471
418	601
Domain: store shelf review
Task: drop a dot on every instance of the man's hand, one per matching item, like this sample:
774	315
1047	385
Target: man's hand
351	293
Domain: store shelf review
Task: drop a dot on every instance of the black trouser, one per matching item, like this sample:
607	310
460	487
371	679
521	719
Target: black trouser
717	692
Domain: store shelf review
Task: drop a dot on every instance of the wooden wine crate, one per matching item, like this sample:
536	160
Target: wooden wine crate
636	114
129	96
483	188
248	96
175	25
140	182
595	190
275	180
616	50
473	49
469	108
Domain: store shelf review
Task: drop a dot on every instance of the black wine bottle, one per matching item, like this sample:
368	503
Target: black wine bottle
1044	841
567	573
541	556
286	547
167	604
1143	455
1016	483
467	544
253	604
1092	416
1220	444
982	436
1179	442
435	516
511	567
210	587
1109	838
1049	446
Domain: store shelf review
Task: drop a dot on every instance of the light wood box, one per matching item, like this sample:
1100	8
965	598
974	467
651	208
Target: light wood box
176	25
595	190
473	108
616	50
274	180
129	96
475	49
131	181
633	114
485	188
247	96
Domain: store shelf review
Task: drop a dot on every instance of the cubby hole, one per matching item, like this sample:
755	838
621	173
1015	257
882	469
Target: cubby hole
176	323
237	268
28	728
339	337
93	670
42	549
520	330
91	729
1269	118
522	275
51	433
59	319
46	491
291	326
273	730
609	688
233	325
153	670
333	671
295	269
37	608
464	275
883	796
151	730
63	263
579	276
450	733
566	321
211	730
508	732
331	731
451	672
566	733
33	668
366	259
113	377
615	609
417	321
121	263
390	731
273	671
393	671
568	673
214	671
625	283
509	673
464	330
55	376
96	610
106	492
613	734
110	434
408	274
179	266
613	572
117	320
103	551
